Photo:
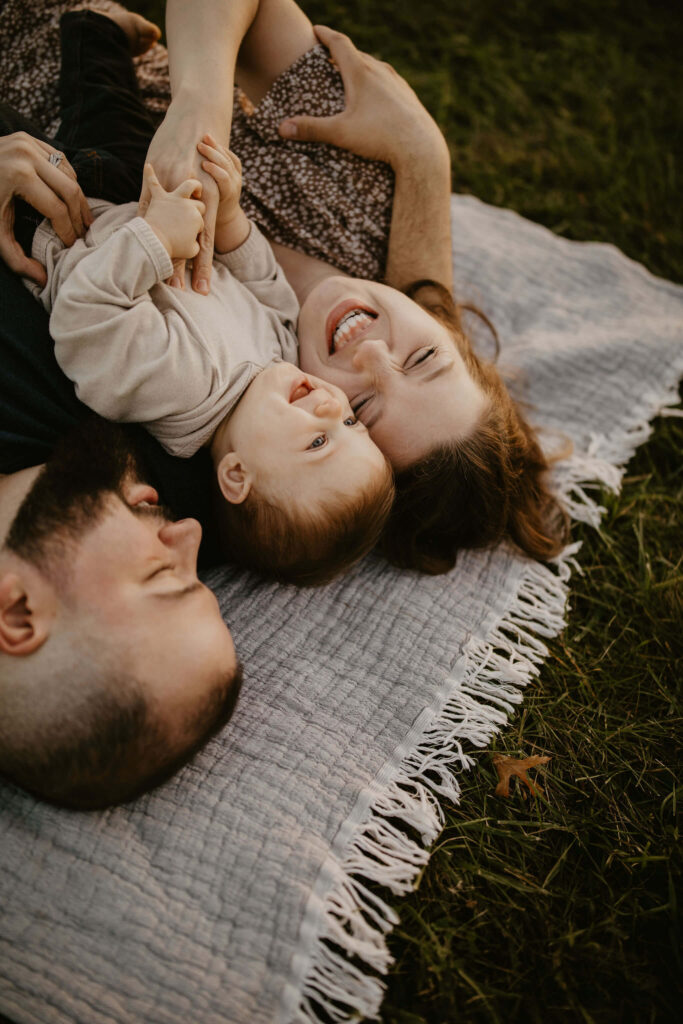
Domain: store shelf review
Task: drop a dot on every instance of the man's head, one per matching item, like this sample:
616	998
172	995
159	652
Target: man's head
115	663
304	491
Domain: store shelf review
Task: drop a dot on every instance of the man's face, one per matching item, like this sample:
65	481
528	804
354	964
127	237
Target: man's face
119	564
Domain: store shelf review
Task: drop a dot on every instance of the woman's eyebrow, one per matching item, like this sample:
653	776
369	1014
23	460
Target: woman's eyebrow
443	368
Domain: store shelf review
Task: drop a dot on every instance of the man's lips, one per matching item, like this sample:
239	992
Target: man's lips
341	327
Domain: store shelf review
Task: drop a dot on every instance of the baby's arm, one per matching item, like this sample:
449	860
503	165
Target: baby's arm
232	224
128	360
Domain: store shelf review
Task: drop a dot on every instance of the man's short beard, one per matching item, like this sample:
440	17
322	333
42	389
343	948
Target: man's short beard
73	491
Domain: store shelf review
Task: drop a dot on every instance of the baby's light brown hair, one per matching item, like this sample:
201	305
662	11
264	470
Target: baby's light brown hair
309	546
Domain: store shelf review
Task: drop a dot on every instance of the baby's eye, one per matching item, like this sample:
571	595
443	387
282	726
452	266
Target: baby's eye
350	421
318	441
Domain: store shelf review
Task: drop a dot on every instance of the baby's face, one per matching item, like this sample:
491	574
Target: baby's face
299	440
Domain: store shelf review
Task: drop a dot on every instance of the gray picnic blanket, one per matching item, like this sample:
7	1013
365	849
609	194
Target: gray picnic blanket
259	884
237	892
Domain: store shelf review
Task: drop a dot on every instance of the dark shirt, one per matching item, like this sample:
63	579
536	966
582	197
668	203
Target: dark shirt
38	405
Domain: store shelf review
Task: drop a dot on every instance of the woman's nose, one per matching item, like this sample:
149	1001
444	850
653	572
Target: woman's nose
372	355
326	404
183	538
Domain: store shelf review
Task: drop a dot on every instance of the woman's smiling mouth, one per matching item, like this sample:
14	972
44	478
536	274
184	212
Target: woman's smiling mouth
347	322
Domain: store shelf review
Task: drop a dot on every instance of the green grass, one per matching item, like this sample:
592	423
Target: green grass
563	908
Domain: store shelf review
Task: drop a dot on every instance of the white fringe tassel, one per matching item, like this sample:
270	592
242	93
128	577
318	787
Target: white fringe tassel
602	465
355	919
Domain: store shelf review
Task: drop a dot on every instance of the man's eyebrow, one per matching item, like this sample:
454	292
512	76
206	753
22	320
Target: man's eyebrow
151	512
174	595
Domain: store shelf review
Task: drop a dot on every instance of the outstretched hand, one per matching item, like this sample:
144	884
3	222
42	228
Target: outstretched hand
51	189
173	153
382	120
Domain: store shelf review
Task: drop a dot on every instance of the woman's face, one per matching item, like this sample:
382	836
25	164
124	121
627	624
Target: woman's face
400	368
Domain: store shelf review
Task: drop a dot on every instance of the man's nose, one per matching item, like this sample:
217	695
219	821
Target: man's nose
183	538
372	355
326	406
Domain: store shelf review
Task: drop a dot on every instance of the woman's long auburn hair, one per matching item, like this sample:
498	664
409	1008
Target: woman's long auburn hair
478	490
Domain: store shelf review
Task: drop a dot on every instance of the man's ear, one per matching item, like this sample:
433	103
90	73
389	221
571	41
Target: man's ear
234	478
26	613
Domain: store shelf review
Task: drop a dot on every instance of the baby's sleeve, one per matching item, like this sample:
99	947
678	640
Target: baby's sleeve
255	266
110	339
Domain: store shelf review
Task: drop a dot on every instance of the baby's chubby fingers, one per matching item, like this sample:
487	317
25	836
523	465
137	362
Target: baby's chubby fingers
191	188
219	155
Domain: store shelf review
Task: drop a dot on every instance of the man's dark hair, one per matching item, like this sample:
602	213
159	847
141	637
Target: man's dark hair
108	746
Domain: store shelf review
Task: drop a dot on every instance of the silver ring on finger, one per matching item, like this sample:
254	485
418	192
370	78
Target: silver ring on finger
55	159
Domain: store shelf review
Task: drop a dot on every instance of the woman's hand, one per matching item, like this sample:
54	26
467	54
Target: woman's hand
26	171
232	225
173	153
176	217
383	119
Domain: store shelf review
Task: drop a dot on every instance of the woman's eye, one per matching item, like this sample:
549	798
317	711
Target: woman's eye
350	421
318	441
422	356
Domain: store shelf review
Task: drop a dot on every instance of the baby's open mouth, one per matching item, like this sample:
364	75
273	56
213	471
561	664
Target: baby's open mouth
300	390
347	325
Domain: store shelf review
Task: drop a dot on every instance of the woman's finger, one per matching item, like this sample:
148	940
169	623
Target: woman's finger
17	260
63	165
48	202
71	195
203	261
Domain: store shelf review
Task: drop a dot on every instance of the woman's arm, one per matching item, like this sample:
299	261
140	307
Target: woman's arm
203	40
384	120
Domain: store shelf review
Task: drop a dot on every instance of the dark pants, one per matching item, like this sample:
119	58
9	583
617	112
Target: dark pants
105	134
106	129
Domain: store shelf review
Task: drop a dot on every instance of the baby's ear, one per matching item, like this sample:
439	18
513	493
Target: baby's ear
234	478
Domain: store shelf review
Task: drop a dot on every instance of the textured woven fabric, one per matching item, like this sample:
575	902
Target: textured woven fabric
211	899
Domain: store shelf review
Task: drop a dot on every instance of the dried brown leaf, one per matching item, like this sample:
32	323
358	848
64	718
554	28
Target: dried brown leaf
509	767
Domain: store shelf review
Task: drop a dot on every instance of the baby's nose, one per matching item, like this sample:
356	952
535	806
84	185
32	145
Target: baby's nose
326	404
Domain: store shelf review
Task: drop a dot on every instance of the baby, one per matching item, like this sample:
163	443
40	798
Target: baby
301	490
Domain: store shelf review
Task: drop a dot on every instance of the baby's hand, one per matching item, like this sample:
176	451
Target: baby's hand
176	218
232	225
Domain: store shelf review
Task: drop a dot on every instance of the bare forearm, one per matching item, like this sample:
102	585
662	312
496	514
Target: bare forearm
204	37
420	234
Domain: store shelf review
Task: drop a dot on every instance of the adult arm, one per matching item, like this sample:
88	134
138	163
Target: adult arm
203	40
254	265
384	120
26	172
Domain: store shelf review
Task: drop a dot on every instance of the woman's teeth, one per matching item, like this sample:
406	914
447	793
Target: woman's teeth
349	327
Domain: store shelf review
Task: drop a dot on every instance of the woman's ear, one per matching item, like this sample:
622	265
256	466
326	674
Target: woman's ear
234	478
25	618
